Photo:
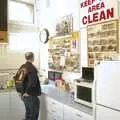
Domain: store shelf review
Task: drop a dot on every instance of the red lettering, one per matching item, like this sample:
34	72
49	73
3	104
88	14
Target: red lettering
85	3
93	1
89	20
89	2
89	9
110	13
98	6
93	8
102	15
84	20
95	17
81	5
98	16
102	5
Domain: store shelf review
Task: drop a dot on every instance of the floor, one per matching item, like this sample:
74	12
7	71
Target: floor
11	106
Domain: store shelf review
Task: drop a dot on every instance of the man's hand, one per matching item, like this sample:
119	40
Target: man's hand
25	94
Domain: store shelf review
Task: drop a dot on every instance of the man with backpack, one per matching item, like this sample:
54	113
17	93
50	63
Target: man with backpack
29	87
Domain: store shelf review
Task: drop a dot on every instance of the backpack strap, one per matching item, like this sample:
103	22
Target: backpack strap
21	74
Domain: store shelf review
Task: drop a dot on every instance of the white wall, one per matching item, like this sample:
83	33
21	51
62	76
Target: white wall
20	41
83	46
21	38
12	58
50	12
44	57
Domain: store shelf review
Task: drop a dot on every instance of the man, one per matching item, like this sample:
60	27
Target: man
32	89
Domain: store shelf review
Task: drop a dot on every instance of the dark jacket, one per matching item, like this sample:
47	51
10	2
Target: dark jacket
31	84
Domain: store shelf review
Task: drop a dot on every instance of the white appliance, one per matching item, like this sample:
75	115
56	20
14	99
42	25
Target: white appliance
83	93
107	85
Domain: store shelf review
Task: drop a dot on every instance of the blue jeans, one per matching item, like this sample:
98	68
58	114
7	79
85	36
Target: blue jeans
32	105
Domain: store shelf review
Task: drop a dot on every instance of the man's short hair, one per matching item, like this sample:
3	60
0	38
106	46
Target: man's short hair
29	55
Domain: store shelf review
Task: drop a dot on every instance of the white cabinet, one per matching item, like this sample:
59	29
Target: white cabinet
50	109
103	113
74	114
54	109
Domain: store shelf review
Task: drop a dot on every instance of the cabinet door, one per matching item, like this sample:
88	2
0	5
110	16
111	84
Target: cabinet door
67	113
73	114
49	117
79	115
103	113
108	85
54	109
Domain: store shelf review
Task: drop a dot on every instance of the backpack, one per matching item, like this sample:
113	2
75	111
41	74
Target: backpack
19	78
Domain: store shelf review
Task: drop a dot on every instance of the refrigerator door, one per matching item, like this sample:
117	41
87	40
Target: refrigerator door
103	113
107	76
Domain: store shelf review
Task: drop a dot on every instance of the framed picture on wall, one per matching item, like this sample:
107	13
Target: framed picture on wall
64	25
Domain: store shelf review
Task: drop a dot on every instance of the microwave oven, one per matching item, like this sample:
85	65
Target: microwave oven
83	93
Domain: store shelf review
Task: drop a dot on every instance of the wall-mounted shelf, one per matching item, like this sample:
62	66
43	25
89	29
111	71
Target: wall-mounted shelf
64	53
102	41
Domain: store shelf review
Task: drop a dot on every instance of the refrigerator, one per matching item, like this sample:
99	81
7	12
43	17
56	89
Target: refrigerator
107	90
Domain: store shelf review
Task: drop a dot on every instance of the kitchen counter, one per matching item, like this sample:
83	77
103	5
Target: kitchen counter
64	97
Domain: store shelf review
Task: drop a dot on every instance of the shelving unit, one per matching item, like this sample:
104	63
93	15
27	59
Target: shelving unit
102	41
64	53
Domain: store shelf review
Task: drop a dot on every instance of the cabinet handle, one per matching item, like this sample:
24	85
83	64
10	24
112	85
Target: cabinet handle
79	115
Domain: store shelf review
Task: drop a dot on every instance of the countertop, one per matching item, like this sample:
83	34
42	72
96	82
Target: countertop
64	97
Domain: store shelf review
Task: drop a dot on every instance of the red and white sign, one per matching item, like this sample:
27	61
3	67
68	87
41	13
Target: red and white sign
93	11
